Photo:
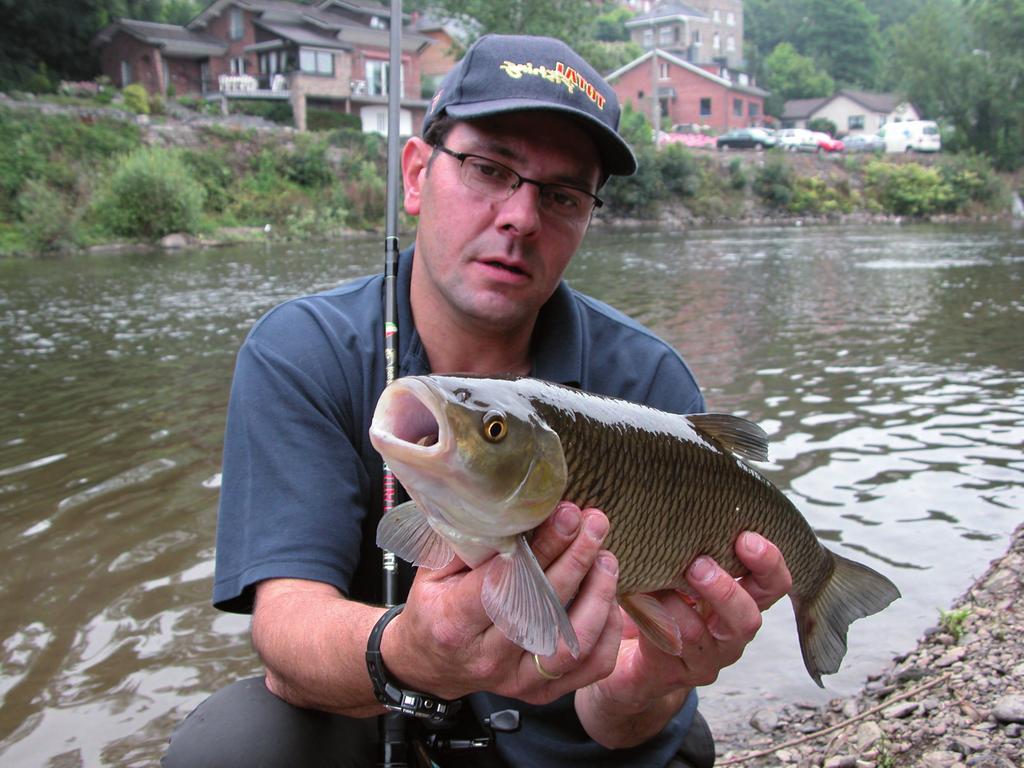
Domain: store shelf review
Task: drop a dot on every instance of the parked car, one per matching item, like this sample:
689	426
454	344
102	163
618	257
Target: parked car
826	143
745	138
911	136
797	140
864	142
691	140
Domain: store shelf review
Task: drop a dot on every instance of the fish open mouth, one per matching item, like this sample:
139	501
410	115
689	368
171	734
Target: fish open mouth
408	421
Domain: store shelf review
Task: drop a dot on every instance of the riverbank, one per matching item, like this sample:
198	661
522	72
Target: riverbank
65	187
957	699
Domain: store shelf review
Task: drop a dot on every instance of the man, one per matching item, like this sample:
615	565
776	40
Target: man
516	145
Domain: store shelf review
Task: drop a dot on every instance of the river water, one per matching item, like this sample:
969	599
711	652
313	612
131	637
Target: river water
887	363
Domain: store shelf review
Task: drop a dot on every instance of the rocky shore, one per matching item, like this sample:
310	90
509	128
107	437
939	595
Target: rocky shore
957	699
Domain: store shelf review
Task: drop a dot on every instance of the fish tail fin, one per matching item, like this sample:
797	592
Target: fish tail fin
853	591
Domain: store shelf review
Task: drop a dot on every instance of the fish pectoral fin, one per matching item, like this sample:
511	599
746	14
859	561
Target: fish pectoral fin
744	438
654	622
521	602
405	531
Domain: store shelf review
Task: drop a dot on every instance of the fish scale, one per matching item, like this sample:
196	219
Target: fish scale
673	487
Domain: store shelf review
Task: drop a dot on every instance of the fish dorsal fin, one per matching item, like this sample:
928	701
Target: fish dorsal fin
744	438
405	531
521	602
654	621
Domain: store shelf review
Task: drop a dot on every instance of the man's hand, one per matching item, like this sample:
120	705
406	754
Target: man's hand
647	685
444	643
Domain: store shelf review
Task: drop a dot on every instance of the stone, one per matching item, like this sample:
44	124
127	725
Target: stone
940	758
841	761
903	709
868	734
951	657
1009	709
764	720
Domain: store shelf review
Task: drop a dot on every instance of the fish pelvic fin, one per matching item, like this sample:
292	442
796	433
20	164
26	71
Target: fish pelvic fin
521	602
744	438
656	624
405	531
853	591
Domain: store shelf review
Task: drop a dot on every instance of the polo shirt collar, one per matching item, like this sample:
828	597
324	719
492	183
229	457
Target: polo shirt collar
557	348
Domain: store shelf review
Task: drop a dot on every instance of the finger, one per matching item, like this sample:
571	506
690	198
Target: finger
596	618
554	535
769	578
569	569
733	615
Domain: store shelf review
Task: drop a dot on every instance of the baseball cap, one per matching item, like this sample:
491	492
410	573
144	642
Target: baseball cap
513	73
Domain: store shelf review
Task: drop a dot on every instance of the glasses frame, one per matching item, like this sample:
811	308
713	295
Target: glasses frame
462	157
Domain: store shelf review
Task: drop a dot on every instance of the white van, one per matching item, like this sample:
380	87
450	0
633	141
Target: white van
911	136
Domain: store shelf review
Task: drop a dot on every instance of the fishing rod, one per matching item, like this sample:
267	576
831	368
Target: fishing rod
392	724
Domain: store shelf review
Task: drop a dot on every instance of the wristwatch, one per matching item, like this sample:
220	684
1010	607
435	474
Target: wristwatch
390	693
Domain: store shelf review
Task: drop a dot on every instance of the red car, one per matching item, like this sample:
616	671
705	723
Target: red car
827	144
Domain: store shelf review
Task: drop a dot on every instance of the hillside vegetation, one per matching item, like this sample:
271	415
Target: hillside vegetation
79	178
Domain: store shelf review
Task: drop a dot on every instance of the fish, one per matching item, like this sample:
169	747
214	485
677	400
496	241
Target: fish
485	460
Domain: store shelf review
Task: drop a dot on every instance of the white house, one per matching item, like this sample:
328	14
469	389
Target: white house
850	111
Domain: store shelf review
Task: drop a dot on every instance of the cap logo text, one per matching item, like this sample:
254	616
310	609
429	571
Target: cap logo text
566	76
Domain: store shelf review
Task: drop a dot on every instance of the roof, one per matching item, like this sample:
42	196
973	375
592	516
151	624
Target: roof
172	39
718	79
881	103
801	109
301	35
665	12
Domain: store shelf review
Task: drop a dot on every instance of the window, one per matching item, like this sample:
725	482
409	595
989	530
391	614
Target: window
705	107
730	43
696	37
316	62
855	122
126	72
663	70
737	107
377	74
716	42
648	38
753	109
715	16
236	22
730	19
665	35
238	65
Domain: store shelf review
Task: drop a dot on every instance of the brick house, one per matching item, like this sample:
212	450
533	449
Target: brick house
702	31
708	95
332	54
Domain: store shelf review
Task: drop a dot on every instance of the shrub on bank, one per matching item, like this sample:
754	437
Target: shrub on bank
47	217
149	195
909	189
136	99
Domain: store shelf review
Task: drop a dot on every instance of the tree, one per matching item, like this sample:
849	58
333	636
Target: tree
964	64
788	75
568	20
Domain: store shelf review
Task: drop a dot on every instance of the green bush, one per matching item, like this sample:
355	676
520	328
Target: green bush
330	120
813	195
639	194
56	148
136	99
307	164
971	179
47	218
151	194
908	189
275	111
210	167
737	174
680	171
366	194
774	182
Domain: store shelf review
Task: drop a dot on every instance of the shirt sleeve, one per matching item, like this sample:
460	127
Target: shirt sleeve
294	487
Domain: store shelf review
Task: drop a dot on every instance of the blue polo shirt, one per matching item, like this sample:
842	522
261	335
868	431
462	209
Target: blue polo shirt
302	486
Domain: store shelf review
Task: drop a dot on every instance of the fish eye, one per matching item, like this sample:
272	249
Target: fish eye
495	426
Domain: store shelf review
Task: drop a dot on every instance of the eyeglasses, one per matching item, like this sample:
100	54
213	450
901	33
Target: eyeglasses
499	182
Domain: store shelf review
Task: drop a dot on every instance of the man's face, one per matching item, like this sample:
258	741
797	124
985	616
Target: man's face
485	263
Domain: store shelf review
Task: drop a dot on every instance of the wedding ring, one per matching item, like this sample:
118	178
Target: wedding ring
543	672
